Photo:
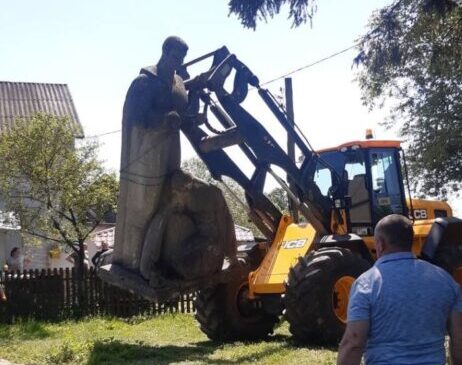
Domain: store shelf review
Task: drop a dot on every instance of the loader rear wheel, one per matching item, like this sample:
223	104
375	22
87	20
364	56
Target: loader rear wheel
317	293
225	313
450	258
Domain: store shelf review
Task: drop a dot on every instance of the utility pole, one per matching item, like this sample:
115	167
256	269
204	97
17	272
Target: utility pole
289	101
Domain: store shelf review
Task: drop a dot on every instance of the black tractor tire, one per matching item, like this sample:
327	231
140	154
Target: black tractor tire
317	292
449	257
225	314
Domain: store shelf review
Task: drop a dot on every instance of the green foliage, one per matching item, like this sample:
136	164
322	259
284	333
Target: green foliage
197	168
412	57
279	197
168	339
249	12
59	192
62	355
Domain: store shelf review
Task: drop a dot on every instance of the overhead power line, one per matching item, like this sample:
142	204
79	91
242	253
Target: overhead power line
314	63
310	65
103	134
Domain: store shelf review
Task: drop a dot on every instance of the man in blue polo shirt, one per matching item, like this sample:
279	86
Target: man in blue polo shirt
400	309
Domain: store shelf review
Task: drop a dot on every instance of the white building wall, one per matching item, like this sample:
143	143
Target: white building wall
9	239
37	256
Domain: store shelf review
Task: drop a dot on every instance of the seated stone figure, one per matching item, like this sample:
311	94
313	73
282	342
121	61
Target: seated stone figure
191	234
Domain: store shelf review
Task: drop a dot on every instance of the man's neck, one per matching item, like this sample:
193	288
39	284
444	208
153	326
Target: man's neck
165	72
393	251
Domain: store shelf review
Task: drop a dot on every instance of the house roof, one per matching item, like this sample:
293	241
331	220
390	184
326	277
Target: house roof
243	234
104	235
23	99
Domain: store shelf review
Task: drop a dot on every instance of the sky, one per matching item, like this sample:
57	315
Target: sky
98	48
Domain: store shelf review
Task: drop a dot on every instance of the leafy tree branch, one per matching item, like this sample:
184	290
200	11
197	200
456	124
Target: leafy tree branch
59	191
411	60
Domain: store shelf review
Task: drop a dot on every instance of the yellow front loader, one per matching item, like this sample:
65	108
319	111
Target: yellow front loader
302	269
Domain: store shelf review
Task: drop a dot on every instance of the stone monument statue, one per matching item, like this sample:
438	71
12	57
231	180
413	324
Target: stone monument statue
169	224
150	148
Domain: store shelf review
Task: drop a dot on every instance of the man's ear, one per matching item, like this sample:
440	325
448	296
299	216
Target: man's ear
379	246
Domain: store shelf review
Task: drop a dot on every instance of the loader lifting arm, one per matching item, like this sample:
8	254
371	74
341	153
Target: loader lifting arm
262	150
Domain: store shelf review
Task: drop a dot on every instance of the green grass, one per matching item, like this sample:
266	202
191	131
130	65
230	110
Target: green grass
169	339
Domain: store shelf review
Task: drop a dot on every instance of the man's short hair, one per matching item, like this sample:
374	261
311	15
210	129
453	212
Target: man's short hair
172	42
396	230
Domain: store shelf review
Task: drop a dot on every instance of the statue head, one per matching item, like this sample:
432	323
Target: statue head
174	51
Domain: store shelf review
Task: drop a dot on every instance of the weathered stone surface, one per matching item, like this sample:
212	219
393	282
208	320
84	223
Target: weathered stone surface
173	231
192	233
150	149
165	289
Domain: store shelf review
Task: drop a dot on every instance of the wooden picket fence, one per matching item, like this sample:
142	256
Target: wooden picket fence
52	295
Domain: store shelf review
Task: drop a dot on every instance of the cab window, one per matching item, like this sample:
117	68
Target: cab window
351	169
355	172
323	179
386	187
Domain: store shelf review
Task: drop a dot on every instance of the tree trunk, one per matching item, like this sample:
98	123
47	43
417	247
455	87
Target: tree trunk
80	272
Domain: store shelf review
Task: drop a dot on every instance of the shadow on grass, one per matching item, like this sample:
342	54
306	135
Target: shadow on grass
292	343
26	330
116	352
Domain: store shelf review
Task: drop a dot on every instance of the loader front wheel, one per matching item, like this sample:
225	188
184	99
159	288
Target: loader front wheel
317	293
225	313
450	258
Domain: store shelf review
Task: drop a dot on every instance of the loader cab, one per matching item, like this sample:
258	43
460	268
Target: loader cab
370	181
